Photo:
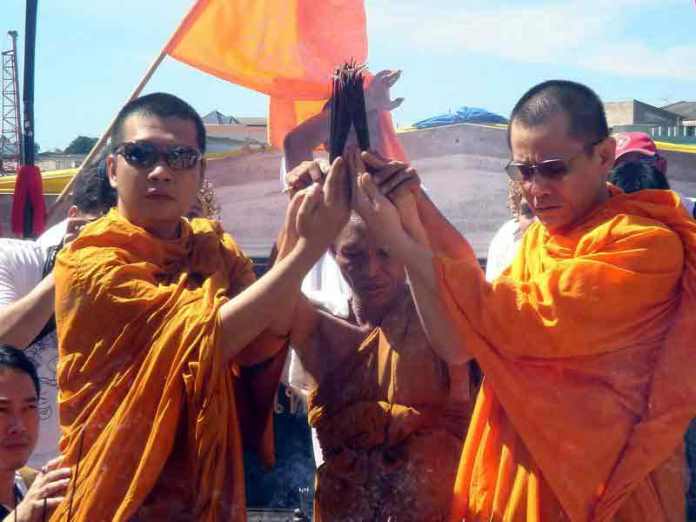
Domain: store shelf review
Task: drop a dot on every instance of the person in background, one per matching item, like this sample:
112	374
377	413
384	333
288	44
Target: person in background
27	292
506	241
638	165
25	495
637	170
388	412
324	285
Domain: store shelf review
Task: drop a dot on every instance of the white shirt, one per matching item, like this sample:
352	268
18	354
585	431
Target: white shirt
21	269
54	235
503	249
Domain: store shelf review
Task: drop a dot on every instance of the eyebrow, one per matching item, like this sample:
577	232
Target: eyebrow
33	399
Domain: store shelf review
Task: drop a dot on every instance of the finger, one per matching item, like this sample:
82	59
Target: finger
54	475
356	173
310	202
336	183
395	104
369	190
386	174
50	503
393	77
383	74
54	463
315	173
407	177
375	161
54	488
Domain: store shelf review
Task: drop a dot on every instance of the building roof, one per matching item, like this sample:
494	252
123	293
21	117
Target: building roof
218	118
683	108
253	122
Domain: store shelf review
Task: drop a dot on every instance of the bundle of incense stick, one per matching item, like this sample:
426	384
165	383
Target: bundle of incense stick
348	108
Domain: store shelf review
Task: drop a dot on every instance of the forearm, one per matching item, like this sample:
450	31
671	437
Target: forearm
21	321
444	238
300	143
438	326
267	302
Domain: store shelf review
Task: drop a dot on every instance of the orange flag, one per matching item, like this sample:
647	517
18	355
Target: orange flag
287	49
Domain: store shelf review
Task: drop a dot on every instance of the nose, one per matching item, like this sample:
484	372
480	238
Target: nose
16	424
160	172
371	265
538	186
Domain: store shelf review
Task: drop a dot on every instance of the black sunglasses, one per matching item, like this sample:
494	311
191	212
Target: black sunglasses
552	169
145	155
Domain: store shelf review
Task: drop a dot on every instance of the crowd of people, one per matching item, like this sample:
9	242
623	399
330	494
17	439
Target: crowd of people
141	355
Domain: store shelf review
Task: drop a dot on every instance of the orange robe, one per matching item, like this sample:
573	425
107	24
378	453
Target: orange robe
390	421
588	350
149	410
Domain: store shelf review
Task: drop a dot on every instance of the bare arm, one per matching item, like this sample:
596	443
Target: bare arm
21	321
268	305
321	340
299	144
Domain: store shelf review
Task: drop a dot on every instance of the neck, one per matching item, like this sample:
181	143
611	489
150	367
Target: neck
164	231
160	229
7	497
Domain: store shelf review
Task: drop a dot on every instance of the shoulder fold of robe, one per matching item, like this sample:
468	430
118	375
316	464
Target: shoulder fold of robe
587	346
139	338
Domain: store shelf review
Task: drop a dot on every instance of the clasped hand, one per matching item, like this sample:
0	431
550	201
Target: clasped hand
384	192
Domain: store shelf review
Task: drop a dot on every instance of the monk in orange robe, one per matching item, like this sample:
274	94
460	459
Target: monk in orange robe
390	414
585	341
169	355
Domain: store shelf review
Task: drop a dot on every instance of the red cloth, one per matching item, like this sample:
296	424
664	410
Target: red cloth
28	190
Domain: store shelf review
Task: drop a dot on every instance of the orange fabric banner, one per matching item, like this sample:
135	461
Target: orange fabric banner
284	48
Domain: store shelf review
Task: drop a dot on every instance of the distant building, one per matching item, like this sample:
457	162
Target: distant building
47	161
635	112
634	115
686	110
227	133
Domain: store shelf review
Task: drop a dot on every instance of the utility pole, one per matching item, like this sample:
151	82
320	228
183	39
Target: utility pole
28	95
10	120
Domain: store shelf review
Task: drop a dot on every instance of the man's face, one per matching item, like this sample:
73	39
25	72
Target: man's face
19	418
156	198
375	277
561	203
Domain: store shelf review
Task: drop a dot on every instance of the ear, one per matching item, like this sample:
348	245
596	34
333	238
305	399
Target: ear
606	152
111	170
73	211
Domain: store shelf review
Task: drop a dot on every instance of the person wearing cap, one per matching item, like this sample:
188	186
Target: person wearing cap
586	341
633	148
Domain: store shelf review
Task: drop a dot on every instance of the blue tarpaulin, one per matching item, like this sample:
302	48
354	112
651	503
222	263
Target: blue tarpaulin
462	115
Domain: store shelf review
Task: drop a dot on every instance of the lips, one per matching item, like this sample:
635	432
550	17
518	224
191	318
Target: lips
15	444
158	196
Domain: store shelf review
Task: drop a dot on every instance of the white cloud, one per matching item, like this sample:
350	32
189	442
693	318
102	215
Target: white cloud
586	33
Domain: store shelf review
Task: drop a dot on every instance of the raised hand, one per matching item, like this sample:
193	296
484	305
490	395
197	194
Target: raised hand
377	97
324	210
395	179
378	211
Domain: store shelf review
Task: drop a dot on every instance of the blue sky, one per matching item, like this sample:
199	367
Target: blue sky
481	53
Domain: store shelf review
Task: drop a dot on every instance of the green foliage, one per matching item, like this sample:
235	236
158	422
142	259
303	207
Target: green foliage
80	145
